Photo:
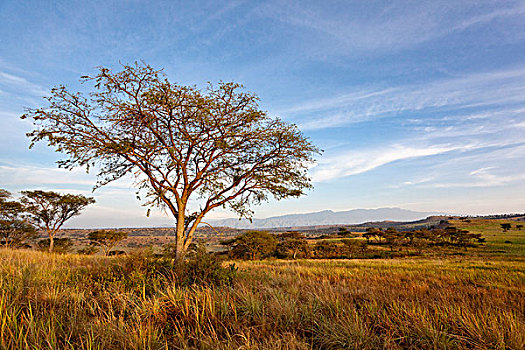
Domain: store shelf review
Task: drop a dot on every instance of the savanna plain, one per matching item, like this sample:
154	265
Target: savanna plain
426	298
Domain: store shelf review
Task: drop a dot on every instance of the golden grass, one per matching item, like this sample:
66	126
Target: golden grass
76	302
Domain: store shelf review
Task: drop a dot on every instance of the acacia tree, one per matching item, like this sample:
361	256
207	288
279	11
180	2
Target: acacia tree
50	210
292	244
254	245
506	227
14	226
179	142
106	239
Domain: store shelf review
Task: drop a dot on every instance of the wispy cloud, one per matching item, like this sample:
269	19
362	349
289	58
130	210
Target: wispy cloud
481	166
483	90
460	154
480	180
372	26
15	83
357	162
33	176
517	10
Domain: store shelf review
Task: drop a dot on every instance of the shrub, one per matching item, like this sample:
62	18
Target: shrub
61	245
293	248
254	245
203	268
198	268
107	239
326	250
352	248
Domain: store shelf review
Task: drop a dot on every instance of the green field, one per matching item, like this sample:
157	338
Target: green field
510	243
473	300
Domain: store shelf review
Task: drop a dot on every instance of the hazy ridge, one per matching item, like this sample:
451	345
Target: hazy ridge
327	217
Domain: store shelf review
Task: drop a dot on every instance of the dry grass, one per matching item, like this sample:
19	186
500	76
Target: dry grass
75	302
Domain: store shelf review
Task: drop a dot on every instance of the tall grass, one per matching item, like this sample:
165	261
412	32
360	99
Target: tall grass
76	302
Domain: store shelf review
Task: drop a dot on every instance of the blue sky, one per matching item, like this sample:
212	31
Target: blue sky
417	104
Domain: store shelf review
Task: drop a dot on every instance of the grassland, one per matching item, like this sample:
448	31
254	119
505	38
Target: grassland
473	301
510	243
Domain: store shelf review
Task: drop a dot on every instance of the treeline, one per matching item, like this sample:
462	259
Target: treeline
494	216
450	236
46	211
293	245
21	222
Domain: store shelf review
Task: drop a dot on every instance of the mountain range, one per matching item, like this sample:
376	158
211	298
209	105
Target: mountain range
327	217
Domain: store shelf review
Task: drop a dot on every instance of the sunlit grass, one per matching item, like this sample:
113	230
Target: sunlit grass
510	243
75	302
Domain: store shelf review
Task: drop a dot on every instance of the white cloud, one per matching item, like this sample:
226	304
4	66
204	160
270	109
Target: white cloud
17	83
483	180
30	176
459	153
481	90
480	171
102	216
515	11
357	162
367	26
482	166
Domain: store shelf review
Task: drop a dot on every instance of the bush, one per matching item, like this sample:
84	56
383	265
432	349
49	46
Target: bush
253	245
353	248
326	250
344	249
203	268
293	248
60	245
198	268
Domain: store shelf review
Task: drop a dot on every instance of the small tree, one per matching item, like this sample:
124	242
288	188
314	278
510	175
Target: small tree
50	210
181	143
352	247
326	250
465	238
370	233
343	231
254	245
106	239
506	227
15	229
293	247
290	235
392	237
420	239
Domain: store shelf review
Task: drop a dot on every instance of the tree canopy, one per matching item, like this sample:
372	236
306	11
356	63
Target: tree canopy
253	245
15	229
106	239
178	141
50	210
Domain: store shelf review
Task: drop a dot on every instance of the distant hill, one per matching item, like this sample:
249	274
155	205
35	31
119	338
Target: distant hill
327	217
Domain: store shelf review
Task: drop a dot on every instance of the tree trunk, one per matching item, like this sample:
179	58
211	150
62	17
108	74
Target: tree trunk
179	235
184	238
180	250
51	243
